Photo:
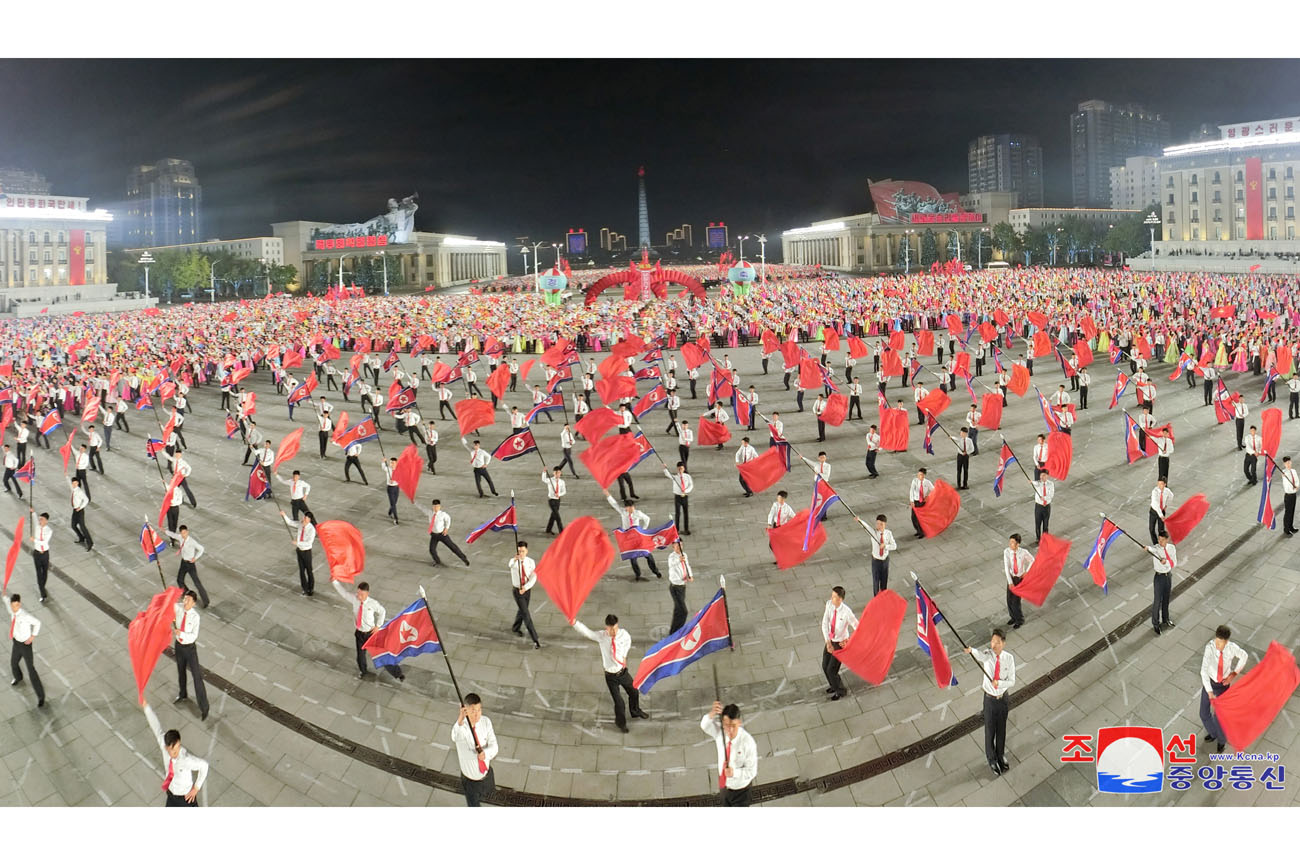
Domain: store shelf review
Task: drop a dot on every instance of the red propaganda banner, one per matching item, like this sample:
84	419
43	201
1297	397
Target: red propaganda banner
786	540
472	414
1060	453
893	429
991	412
149	634
924	342
573	564
1227	311
1046	569
940	510
1247	709
830	339
11	558
344	550
1254	198
870	649
712	433
837	409
934	403
890	363
765	470
1184	518
1019	383
1042	345
408	471
610	458
77	257
597	423
857	348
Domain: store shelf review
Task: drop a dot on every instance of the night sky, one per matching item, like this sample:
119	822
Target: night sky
504	148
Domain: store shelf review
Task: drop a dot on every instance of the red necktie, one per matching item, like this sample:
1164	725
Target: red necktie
1015	563
1219	678
184	617
361	607
1162	501
482	764
613	651
171	772
997	671
301	532
834	613
726	762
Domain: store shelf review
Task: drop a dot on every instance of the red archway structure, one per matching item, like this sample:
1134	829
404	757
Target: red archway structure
659	282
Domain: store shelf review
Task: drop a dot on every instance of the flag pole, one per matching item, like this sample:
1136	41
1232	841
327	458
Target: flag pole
726	615
514	527
1018	463
1130	537
447	658
271	490
951	627
156	559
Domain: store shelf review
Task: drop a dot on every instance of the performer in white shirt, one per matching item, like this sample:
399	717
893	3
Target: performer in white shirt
1161	498
304	538
882	542
744	454
999	677
737	753
523	577
629	516
1015	562
1290	484
682	487
185	772
368	616
1166	557
679	574
185	631
1221	663
42	532
439	527
23	627
614	643
838	623
189	552
476	746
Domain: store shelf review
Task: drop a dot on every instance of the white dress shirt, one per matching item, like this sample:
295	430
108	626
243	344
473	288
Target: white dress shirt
1290	481
529	576
1006	671
744	753
684	435
299	489
780	514
190	550
79	500
479	459
464	742
41	536
613	651
920	490
873	441
555	487
1044	490
628	519
371	611
745	453
838	622
682	484
183	767
821	467
1160	499
1254	445
882	543
24	624
1165	556
306	534
679	568
1234	660
187	624
1016	562
1040	455
440	523
567	439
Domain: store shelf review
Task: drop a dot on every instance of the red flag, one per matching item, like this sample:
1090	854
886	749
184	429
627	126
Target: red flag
1184	518
291	359
574	562
810	374
65	450
896	340
471	414
1142	347
830	339
953	323
787	540
344	550
1046	568
771	344
1089	328
553	356
167	497
288	449
408	471
924	342
613	389
893	429
1038	320
1060	453
1270	431
1225	312
890	363
1283	362
837	409
628	346
1019	383
940	510
991	412
870	649
934	403
764	470
693	355
232	426
712	433
12	557
612	366
857	348
597	423
1083	352
150	633
1247	709
610	458
499	380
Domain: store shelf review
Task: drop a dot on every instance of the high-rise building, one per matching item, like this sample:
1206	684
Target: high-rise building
604	238
687	235
1008	162
1135	184
642	211
1103	135
18	181
163	204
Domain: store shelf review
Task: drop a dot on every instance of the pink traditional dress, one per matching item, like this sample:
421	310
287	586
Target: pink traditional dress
1239	363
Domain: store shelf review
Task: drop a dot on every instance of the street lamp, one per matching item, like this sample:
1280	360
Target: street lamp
907	251
266	272
537	260
741	254
980	248
383	259
762	254
524	252
1053	233
146	260
1150	222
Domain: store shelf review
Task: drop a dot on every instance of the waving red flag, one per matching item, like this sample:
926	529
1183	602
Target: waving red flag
837	409
991	412
940	510
344	550
1042	575
553	356
149	634
340	426
787	540
612	366
857	348
408	471
610	458
1019	383
1224	312
628	346
1085	354
953	323
893	429
1270	430
1283	362
499	380
870	649
292	359
1184	518
770	343
1060	453
615	388
12	557
934	403
65	450
693	355
471	414
712	433
1042	345
574	562
890	363
1142	347
288	448
924	342
765	470
167	497
810	374
597	423
1247	709
830	339
896	340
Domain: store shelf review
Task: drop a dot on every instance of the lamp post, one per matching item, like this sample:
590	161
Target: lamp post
762	254
266	274
1053	233
537	260
524	252
980	248
146	260
741	253
383	259
907	251
1150	222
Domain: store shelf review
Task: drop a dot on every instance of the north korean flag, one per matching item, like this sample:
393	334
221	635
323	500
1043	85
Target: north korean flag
635	541
467	358
653	400
1121	384
167	390
151	447
6	395
824	496
408	634
362	431
26	472
928	444
390	361
647	449
143	403
1132	449
744	410
705	633
504	520
232	426
1095	561
1005	459
516	446
1049	417
1266	515
653	356
50	423
928	618
400	400
349	380
151	543
258	488
303	391
550	404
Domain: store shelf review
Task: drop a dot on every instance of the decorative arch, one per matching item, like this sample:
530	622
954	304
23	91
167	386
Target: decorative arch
659	281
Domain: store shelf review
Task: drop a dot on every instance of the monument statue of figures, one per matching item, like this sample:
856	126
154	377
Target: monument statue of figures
397	224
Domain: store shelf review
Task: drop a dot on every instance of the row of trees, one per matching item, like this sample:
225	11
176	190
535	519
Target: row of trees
369	274
174	273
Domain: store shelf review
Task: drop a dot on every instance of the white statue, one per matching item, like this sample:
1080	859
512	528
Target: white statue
397	224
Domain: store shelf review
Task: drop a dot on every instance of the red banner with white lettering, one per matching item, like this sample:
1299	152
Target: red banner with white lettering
77	257
1254	198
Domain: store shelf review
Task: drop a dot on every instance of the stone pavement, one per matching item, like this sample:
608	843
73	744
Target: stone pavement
296	726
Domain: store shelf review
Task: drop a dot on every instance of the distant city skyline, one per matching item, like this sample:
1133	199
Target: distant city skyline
280	140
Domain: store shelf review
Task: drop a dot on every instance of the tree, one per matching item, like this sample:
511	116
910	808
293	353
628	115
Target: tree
929	248
190	271
1006	240
1034	245
281	276
125	270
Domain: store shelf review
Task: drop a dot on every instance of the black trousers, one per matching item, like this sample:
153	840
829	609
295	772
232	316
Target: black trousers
1155	525
916	524
1014	610
1207	386
1211	724
1162	467
361	637
392	490
522	616
187	659
324	437
1288	512
879	576
443	408
855	403
436	538
296	506
23	653
622	679
678	594
974	441
1241	432
995	727
831	669
85	484
190	569
740	797
431	452
1083	396
173	517
9	476
347	466
1042	515
871	462
636	567
96	462
185	486
478	790
1249	466
682	513
963	470
179	800
625	487
79	527
568	461
481	475
555	515
684	455
305	575
1160	603
22	448
1292	411
41	559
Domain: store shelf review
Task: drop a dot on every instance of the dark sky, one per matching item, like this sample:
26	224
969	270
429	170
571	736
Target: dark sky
503	148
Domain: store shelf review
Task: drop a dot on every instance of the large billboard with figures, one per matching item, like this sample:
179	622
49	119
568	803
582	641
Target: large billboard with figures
902	201
394	227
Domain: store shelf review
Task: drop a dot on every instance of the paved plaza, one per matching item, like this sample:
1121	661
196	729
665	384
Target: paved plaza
291	724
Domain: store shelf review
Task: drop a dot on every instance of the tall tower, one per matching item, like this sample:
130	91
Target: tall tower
642	211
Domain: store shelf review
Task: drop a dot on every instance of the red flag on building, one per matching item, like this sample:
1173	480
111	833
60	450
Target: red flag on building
344	549
1247	709
150	633
787	539
472	414
940	510
1185	517
574	562
765	470
609	458
1046	568
870	649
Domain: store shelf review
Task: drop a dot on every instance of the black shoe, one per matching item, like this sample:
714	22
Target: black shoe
363	674
830	691
659	575
640	714
686	532
1208	737
43	598
622	726
997	771
634	496
1219	748
1004	765
1167	624
1017	624
537	645
203	716
41	703
838	695
1157	628
437	562
180	698
518	631
401	677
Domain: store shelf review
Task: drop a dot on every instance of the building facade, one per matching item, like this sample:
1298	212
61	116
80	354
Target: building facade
1008	162
164	205
18	181
267	249
1136	183
1103	135
995	206
1046	218
864	243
